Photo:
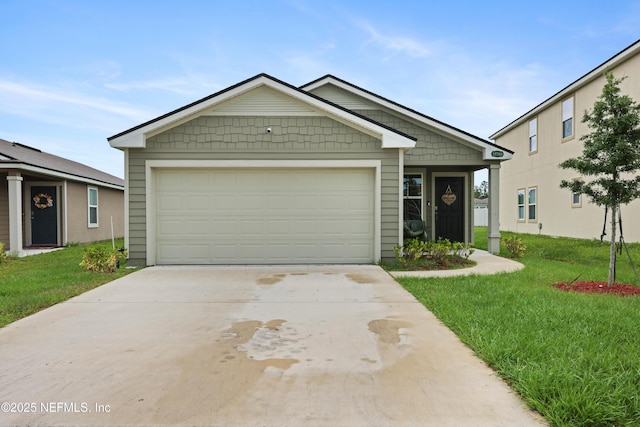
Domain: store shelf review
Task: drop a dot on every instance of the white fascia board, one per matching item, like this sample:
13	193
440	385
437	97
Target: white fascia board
408	113
57	174
389	138
137	137
496	153
131	140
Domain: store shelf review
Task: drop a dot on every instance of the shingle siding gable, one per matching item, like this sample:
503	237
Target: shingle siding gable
431	147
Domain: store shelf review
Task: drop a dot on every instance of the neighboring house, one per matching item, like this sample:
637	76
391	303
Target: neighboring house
264	172
48	201
531	200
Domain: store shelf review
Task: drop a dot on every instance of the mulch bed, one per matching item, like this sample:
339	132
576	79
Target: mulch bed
592	287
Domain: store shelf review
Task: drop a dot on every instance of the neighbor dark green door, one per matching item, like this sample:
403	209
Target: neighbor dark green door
44	215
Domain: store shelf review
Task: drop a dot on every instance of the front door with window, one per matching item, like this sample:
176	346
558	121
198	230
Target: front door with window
44	216
449	208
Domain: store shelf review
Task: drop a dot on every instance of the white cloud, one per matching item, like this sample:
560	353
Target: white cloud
54	105
175	85
398	44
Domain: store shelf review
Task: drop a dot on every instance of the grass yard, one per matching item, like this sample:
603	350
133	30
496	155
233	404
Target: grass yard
574	358
30	284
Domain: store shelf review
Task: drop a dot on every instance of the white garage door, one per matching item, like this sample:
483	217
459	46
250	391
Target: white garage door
264	216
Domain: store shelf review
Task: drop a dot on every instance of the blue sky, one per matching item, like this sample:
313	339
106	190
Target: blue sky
73	73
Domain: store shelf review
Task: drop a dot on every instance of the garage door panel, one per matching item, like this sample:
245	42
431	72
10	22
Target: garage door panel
261	216
167	203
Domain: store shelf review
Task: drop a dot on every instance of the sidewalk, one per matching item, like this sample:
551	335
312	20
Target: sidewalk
487	264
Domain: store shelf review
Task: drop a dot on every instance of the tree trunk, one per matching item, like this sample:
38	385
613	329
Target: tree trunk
612	249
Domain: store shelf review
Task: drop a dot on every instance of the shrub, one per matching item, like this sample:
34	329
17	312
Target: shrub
515	247
3	254
412	250
462	250
439	250
101	259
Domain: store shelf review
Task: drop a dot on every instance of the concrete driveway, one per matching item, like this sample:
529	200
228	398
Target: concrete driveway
247	346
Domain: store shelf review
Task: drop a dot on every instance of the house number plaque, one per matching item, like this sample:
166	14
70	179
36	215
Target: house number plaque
448	197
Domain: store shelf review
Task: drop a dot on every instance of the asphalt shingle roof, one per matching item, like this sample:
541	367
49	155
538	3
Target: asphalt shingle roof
22	154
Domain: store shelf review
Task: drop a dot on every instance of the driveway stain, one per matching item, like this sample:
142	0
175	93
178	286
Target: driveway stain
388	331
269	280
220	375
361	278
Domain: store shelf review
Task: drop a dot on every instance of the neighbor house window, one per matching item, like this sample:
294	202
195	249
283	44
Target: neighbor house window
521	204
567	118
412	194
576	199
532	204
533	135
93	206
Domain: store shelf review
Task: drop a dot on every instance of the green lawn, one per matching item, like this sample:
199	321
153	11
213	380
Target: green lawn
574	358
30	284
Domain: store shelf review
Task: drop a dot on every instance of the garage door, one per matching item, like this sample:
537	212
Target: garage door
264	216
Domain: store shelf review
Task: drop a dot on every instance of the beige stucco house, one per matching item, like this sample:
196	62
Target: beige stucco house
265	172
531	200
49	201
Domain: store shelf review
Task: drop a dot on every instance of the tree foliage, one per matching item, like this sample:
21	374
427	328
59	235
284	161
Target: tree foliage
481	191
611	149
611	154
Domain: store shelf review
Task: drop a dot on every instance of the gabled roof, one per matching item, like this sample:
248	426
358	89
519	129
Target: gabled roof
14	155
136	136
610	63
484	144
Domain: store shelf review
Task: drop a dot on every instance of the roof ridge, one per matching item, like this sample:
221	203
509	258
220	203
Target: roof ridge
267	76
329	76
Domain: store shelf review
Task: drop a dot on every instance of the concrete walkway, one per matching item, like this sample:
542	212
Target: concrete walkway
247	346
486	264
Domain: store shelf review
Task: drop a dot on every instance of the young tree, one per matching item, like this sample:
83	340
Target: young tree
481	191
611	155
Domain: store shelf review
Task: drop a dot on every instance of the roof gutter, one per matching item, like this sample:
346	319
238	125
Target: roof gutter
58	174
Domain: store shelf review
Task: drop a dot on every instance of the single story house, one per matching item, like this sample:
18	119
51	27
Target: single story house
49	201
265	172
531	200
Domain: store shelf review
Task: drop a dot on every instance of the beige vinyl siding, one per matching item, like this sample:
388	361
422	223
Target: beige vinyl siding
110	205
556	214
245	138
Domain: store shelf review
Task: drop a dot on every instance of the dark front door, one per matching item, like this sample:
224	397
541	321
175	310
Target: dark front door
44	216
449	214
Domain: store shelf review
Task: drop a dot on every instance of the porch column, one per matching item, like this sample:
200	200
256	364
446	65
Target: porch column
494	209
15	212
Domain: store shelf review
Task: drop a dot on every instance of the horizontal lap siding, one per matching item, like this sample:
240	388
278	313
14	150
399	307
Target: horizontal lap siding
245	138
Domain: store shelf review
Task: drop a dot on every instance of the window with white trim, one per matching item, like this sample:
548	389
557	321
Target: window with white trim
532	204
92	206
412	194
567	118
521	204
576	199
533	135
